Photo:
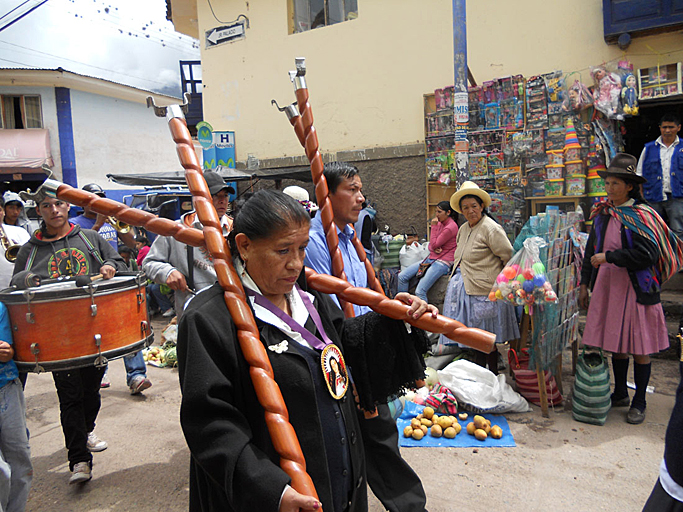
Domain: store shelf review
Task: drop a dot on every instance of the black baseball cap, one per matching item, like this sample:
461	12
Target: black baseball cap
94	188
216	183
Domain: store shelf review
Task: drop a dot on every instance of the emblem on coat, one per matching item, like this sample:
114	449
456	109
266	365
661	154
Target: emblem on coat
280	347
334	369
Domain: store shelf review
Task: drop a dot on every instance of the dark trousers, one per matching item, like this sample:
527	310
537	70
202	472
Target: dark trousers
79	402
391	478
660	501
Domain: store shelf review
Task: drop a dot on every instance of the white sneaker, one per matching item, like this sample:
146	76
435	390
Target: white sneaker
168	313
95	444
105	381
80	473
139	384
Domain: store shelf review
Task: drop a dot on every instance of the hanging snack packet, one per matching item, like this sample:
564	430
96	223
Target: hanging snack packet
523	281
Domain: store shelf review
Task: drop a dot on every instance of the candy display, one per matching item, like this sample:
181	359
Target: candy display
554	187
596	186
554	172
575	185
555	157
574	168
523	281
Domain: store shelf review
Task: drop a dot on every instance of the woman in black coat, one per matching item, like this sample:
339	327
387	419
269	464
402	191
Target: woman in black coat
234	465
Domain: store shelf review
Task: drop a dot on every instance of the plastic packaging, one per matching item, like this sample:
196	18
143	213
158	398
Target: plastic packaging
554	172
523	281
575	185
554	188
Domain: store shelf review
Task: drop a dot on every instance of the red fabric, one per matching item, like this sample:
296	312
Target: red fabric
141	255
527	380
442	237
441	399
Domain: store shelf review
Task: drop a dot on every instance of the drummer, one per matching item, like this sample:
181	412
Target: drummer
60	248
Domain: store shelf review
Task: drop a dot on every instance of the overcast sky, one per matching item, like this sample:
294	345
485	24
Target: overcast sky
126	41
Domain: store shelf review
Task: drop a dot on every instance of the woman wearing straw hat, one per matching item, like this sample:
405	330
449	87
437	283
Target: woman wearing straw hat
630	252
481	252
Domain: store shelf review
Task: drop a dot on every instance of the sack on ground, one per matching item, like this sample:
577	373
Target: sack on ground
412	253
479	390
591	399
527	380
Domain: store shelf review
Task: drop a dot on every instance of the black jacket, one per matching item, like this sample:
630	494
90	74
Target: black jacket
673	447
234	465
638	257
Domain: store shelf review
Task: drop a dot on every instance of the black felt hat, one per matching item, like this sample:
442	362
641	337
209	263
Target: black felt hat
623	166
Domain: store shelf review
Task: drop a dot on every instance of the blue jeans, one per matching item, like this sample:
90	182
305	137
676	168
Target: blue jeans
672	211
16	471
135	365
161	300
437	269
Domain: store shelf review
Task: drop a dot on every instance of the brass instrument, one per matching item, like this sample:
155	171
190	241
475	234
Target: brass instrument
120	227
11	250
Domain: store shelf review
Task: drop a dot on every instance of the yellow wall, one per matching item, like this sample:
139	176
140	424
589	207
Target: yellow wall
367	76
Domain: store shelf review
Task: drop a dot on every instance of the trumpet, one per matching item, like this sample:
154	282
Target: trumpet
11	250
120	227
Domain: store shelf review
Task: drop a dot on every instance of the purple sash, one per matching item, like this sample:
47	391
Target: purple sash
312	340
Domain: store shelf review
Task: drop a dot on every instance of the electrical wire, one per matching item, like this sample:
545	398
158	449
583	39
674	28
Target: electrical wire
17	7
20	63
109	70
169	39
227	22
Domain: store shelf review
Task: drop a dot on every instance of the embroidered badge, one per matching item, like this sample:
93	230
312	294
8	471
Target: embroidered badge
280	347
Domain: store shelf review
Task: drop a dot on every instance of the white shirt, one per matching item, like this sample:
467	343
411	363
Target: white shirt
18	236
665	155
299	312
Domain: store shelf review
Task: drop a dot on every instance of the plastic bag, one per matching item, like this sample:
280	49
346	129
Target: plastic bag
413	253
479	390
523	282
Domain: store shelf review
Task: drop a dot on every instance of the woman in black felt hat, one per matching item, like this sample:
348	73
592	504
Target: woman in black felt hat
628	256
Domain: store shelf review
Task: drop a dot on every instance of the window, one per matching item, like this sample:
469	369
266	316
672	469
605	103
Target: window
21	112
310	14
640	16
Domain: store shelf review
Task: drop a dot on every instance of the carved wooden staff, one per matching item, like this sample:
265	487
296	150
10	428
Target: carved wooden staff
475	338
310	144
268	393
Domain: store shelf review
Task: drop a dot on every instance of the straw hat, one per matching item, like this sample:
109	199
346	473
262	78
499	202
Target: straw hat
623	166
469	188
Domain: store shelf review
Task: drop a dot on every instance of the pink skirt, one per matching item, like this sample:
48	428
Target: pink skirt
615	321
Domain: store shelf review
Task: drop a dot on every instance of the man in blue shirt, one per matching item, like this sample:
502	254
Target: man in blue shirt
391	479
661	164
16	471
136	371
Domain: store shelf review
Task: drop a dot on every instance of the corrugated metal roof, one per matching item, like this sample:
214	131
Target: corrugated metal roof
62	70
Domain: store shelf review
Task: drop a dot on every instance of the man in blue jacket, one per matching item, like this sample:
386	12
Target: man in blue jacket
661	163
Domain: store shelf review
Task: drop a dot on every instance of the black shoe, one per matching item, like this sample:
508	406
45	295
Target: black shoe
635	416
620	402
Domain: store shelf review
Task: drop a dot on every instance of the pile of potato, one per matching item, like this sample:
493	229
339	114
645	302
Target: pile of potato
430	422
447	426
481	428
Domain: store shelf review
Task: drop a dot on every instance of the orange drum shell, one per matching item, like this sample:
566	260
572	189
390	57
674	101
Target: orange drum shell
65	329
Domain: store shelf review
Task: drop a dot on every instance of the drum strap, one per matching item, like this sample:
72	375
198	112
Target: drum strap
31	257
190	267
91	248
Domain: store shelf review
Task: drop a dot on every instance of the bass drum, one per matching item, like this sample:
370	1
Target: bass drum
59	326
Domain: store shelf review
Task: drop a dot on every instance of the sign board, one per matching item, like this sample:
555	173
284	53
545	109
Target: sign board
221	151
205	134
227	34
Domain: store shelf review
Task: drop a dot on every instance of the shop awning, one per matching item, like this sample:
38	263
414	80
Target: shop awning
23	150
178	177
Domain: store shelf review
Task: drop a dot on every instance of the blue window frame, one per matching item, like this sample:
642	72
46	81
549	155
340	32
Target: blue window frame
634	16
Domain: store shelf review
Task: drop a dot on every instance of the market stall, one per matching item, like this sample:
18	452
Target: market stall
540	140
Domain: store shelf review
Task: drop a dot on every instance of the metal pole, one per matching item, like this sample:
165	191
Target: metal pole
460	98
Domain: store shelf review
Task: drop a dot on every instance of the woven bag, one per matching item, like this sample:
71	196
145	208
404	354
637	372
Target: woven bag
591	397
527	380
